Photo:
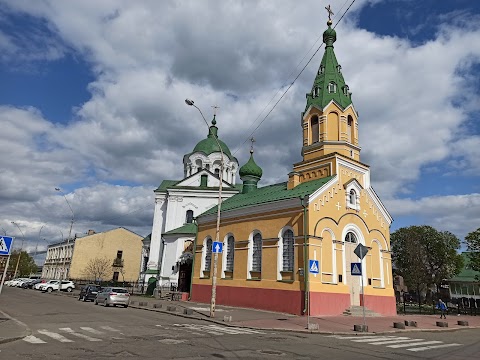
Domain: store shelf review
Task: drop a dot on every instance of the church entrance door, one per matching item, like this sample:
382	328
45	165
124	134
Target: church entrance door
353	281
184	277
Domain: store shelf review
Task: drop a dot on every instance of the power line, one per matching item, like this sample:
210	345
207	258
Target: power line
291	84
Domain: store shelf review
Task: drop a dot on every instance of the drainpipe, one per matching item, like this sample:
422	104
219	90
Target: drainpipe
304	203
193	261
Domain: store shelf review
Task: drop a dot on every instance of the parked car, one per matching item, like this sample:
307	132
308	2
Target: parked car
39	285
89	292
16	281
50	285
113	296
58	285
31	283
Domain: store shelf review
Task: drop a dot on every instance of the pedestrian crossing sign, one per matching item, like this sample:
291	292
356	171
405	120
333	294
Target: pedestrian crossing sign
356	268
314	267
5	245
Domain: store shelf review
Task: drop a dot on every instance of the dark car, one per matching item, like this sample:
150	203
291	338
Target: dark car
31	283
89	292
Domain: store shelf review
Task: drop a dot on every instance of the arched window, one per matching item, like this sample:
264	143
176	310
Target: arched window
288	252
199	165
230	253
350	129
257	253
351	238
217	172
332	88
339	68
321	70
208	254
189	217
314	128
345	90
352	198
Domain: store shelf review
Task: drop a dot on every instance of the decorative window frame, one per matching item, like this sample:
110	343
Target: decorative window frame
357	188
224	256
332	87
203	267
250	253
281	274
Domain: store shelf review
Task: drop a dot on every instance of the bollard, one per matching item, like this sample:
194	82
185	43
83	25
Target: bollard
462	323
399	325
157	306
132	302
312	326
411	323
188	311
171	308
227	318
442	324
360	328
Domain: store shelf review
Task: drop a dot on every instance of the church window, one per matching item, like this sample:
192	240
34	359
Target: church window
352	197
339	68
350	129
351	238
332	87
230	253
345	90
321	70
288	252
207	166
199	165
217	172
204	180
314	128
208	254
257	253
189	217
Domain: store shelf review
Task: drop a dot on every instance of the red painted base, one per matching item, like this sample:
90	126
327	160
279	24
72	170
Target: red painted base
291	302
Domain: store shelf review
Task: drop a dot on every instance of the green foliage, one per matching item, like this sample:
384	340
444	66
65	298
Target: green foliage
425	256
473	246
26	265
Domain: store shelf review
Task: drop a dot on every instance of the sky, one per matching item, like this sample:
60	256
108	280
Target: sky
92	102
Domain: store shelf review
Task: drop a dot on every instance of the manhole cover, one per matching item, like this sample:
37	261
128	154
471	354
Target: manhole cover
271	352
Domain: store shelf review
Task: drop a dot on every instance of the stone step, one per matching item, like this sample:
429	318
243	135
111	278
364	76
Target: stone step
358	311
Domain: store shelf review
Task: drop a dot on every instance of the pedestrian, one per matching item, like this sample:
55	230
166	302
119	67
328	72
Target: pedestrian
443	308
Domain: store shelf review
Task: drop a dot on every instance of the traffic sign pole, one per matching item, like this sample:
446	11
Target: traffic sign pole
363	289
6	265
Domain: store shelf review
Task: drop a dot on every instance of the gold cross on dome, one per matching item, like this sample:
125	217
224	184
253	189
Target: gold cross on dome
252	139
215	107
330	12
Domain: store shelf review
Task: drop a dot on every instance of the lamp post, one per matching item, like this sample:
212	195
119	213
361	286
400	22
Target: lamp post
65	272
217	231
38	240
21	249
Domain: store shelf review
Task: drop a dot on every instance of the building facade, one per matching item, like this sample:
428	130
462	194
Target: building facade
323	212
113	255
58	260
179	202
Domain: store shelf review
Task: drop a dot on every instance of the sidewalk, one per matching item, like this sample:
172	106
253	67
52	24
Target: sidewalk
259	319
11	329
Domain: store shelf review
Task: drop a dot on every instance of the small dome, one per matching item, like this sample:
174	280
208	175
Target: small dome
251	168
209	145
329	35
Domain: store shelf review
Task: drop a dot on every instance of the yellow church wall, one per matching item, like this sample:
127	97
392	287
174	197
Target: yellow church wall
269	225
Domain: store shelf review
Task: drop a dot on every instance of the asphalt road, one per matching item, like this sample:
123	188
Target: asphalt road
64	328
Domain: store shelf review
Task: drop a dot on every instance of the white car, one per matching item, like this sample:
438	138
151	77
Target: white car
16	281
58	285
37	286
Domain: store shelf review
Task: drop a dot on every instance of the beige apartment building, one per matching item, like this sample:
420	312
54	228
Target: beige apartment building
113	255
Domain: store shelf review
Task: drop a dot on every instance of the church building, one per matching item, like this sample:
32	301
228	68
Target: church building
270	234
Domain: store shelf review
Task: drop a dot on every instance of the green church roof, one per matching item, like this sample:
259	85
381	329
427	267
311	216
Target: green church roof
329	72
251	168
190	229
209	145
467	274
268	194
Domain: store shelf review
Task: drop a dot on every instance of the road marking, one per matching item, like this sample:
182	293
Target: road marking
397	341
171	341
92	330
418	343
109	328
33	340
352	337
380	338
217	329
432	347
54	336
83	336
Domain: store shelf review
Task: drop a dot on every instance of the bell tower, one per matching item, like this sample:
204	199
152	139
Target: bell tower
329	122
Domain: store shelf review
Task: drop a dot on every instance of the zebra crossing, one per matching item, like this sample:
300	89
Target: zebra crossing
69	335
398	342
86	333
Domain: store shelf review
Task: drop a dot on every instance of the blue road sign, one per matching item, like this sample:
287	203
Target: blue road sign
5	245
217	247
313	266
356	268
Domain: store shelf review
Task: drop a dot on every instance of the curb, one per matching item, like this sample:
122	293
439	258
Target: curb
26	330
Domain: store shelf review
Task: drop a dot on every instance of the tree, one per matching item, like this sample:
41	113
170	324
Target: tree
473	246
425	256
26	266
97	269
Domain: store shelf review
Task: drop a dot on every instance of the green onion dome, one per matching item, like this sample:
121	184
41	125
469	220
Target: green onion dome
251	168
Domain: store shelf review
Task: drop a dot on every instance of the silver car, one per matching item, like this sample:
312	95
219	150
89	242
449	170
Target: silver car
113	296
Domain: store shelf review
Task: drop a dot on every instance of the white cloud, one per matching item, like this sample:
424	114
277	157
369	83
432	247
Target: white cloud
147	57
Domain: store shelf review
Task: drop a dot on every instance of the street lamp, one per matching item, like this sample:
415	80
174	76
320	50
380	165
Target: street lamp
69	234
217	232
36	245
21	249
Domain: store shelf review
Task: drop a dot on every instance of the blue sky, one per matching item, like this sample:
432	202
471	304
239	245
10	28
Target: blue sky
92	101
